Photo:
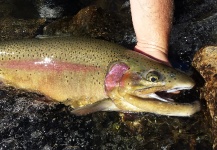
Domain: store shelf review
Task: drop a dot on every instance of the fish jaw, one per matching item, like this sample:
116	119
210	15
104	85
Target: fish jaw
129	103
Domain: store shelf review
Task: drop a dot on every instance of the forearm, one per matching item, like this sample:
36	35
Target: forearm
152	20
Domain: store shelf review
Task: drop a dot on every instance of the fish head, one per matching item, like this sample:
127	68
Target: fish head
147	79
155	81
138	84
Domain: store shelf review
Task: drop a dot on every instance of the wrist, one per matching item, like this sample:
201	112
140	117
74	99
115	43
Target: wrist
154	52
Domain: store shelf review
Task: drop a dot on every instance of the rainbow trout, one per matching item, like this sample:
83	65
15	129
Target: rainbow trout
93	75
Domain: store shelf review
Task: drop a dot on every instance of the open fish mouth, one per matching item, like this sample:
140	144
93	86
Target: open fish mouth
167	96
163	96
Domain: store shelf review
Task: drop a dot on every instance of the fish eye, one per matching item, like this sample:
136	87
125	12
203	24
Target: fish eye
153	76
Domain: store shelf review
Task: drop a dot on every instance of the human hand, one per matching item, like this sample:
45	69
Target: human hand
152	22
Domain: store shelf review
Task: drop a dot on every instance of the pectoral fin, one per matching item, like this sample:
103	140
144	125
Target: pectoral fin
103	105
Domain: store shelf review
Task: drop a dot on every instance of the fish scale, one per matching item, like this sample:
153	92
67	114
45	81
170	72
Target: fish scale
39	49
92	75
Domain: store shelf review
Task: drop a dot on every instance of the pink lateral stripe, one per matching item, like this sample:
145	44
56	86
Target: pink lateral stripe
46	66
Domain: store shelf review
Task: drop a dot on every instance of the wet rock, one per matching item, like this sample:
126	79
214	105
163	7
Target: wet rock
5	9
20	9
32	9
148	131
205	62
96	23
193	10
194	27
52	9
24	9
26	18
19	19
28	122
11	28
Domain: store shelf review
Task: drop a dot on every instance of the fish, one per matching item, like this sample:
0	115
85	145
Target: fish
93	75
